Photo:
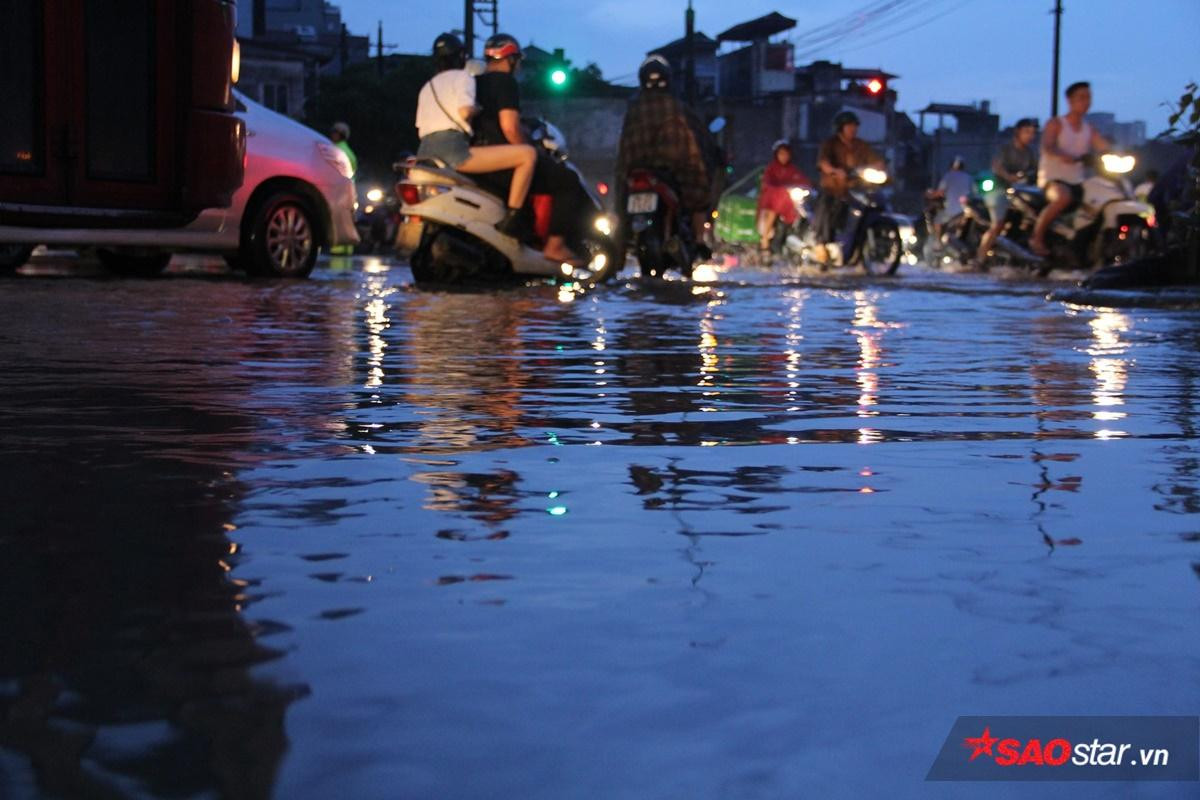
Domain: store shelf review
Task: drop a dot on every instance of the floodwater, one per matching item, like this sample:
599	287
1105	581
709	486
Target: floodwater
763	538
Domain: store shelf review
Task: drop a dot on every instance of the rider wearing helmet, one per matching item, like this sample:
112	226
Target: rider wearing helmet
661	132
445	107
499	123
774	199
839	155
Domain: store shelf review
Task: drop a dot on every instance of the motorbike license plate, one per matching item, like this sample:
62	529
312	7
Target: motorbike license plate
642	203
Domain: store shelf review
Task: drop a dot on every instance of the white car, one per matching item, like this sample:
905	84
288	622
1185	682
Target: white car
297	198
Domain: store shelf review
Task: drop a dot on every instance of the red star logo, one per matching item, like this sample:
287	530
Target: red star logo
982	743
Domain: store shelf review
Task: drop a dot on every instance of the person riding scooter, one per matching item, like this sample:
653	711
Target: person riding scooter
499	123
955	186
1065	142
840	155
774	198
661	133
445	107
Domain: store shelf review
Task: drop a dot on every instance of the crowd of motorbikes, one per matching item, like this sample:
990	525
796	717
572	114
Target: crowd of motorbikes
1110	226
445	222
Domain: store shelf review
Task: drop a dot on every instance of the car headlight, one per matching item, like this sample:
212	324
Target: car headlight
375	195
874	176
334	156
1117	165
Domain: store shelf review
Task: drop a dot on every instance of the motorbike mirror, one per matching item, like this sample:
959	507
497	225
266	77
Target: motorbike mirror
717	125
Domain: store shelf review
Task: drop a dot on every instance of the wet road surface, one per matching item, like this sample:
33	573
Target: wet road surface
762	538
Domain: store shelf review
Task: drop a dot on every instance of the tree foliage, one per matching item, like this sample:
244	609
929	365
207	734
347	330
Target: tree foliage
381	111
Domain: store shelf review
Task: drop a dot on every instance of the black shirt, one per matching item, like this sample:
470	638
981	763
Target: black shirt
494	92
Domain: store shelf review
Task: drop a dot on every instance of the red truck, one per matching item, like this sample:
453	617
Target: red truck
117	113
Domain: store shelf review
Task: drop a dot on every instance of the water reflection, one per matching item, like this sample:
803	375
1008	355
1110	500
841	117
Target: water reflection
128	617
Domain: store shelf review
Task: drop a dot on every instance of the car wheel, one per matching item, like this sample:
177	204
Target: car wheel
14	256
282	241
134	265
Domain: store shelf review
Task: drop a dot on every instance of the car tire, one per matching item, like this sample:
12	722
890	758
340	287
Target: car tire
14	256
281	241
134	265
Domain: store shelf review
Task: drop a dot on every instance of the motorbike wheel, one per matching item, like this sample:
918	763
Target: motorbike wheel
882	248
650	255
134	265
614	259
14	256
1134	246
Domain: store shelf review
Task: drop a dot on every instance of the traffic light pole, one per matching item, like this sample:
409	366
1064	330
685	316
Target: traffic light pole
1058	12
469	28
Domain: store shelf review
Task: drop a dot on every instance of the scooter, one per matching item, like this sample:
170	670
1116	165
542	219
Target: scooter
957	239
448	228
871	234
1110	226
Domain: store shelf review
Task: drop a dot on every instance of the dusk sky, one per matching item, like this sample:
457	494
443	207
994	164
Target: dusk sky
1137	55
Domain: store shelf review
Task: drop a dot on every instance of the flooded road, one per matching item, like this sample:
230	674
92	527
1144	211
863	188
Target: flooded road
763	538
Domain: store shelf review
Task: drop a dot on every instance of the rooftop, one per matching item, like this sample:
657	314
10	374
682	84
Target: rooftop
758	29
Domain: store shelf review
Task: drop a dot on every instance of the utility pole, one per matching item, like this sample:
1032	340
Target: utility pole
469	28
1058	12
689	80
379	49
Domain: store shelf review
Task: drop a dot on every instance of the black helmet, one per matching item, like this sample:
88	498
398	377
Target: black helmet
500	47
449	52
655	73
843	119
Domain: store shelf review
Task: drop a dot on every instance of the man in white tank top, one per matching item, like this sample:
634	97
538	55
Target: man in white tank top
1064	142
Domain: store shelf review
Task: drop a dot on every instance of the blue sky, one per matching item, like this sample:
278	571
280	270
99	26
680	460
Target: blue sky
1137	55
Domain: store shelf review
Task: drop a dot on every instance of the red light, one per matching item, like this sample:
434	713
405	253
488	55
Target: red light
410	195
1124	229
874	86
1151	221
602	188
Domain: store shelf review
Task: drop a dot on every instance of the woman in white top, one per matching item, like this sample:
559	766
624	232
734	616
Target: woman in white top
445	106
1066	140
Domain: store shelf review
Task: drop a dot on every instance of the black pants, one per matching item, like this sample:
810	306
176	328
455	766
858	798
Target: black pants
549	177
831	213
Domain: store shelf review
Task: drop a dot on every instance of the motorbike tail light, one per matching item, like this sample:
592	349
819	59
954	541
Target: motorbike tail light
409	195
640	182
1124	229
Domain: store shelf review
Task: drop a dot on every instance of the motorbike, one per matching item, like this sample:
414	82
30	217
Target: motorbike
870	234
1110	226
377	218
957	239
660	233
653	223
448	227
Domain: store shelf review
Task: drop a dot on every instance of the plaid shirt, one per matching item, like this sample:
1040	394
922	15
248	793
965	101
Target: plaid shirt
660	132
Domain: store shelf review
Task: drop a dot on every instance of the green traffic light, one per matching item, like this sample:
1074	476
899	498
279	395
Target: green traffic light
558	77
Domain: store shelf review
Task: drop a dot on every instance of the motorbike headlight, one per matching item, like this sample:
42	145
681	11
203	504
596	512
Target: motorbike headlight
874	176
604	225
797	194
375	195
334	156
1117	165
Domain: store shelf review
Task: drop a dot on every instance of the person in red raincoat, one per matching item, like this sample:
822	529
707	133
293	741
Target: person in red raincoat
774	200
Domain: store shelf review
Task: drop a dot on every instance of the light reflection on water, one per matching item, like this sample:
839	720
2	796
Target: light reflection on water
643	542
